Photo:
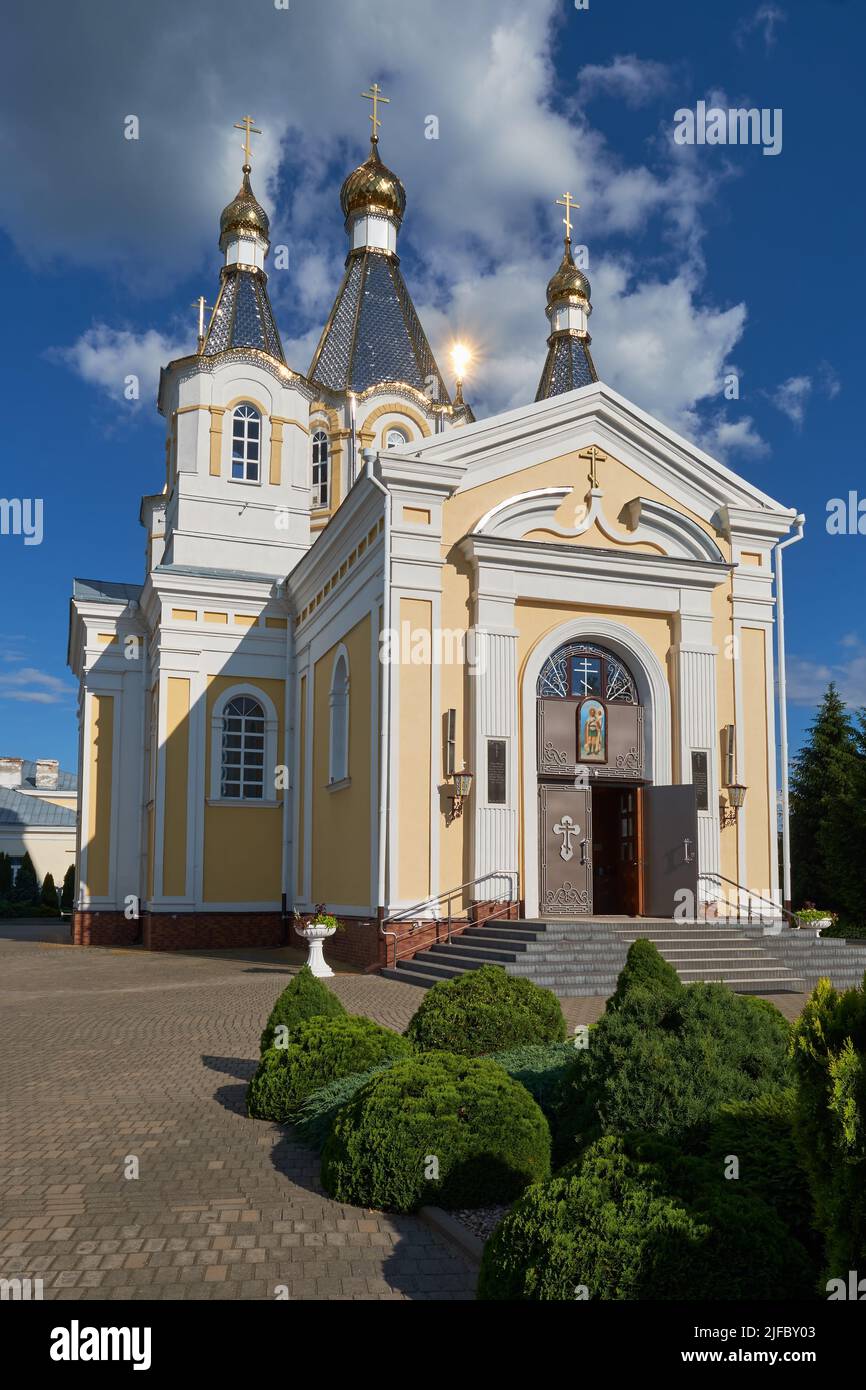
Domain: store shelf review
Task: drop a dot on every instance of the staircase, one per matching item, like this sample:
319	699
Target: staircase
585	957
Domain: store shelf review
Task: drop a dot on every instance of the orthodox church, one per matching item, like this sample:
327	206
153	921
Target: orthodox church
410	665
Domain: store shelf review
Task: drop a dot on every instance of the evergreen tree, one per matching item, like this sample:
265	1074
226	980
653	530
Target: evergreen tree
67	895
824	780
26	887
49	892
5	877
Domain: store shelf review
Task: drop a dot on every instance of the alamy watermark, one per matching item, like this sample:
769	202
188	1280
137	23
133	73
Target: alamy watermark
739	125
22	516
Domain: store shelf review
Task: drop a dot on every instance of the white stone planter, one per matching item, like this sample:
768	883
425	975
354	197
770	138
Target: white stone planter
816	924
314	937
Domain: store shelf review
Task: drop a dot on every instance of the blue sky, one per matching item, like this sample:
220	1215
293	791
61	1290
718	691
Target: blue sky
703	259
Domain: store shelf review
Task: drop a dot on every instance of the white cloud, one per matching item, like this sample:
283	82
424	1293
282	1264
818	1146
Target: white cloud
791	398
767	19
808	679
118	361
633	80
34	687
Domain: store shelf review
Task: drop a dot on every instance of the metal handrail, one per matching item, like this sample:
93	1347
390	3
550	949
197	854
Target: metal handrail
405	914
750	892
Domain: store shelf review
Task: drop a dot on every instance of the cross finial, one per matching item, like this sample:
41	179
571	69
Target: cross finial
202	305
375	95
567	202
246	125
595	457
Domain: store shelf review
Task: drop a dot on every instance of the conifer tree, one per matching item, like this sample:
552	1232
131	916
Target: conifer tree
67	895
5	877
26	886
49	892
824	780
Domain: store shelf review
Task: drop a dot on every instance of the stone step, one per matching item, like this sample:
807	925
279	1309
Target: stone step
474	950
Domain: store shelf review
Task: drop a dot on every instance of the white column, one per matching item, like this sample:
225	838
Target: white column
697	731
493	694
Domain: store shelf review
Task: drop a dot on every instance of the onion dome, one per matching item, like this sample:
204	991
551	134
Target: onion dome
569	282
244	215
373	188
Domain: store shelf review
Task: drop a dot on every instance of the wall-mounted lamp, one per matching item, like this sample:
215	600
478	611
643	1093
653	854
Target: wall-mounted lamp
461	786
736	798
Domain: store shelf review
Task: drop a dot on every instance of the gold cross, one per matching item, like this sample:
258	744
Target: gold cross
595	457
375	95
201	304
246	124
567	202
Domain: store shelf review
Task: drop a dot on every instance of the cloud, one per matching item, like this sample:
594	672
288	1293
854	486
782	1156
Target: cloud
34	687
808	679
121	361
767	18
793	395
633	80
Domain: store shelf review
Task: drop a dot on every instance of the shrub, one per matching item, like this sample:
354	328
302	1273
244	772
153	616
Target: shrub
664	1062
486	1011
645	968
829	1051
319	1050
305	997
629	1225
48	896
439	1128
26	886
67	893
315	1116
5	876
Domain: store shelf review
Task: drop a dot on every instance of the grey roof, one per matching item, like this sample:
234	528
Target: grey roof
243	317
105	591
211	573
16	809
569	364
373	334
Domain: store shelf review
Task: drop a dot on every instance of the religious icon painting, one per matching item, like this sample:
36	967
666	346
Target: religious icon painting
591	732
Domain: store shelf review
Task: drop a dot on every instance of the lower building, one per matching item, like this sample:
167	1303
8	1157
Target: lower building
38	812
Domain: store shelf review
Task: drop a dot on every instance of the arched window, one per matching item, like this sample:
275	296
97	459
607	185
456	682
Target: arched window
246	444
243	749
321	469
338	760
395	439
582	668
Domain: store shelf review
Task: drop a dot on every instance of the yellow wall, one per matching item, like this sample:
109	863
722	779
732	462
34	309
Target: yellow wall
759	837
413	762
243	845
98	842
342	868
176	788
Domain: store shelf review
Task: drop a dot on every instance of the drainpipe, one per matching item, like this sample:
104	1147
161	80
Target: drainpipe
799	522
385	712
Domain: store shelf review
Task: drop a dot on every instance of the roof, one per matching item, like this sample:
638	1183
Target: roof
19	809
243	317
373	334
105	591
569	365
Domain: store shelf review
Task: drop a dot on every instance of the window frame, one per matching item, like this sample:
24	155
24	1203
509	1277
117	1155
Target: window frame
339	719
246	462
317	487
396	429
269	795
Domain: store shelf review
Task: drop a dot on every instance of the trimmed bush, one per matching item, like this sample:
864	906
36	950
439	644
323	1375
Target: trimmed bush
629	1225
25	889
664	1062
67	893
645	968
48	897
829	1051
305	997
441	1128
5	876
486	1011
315	1116
319	1050
545	1071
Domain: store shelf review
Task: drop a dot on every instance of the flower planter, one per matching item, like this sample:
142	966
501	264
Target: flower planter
813	924
315	936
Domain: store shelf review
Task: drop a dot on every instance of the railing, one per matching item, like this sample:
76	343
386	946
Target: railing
751	894
406	913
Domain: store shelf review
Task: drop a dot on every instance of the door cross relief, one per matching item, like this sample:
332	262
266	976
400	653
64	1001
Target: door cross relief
567	828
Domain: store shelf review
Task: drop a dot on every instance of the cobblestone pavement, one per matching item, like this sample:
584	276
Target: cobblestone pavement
112	1055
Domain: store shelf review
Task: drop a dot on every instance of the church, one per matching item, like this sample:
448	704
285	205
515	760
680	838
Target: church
405	665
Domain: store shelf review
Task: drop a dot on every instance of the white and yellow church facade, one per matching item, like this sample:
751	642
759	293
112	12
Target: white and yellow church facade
407	665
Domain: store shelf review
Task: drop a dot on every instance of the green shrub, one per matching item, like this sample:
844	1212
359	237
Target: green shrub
438	1128
829	1051
48	897
5	876
319	1050
486	1011
664	1063
645	968
629	1225
25	889
305	997
315	1116
67	893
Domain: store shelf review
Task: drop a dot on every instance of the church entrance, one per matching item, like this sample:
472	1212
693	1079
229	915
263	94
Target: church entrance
610	843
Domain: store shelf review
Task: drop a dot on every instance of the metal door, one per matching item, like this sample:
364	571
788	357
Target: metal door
565	850
670	819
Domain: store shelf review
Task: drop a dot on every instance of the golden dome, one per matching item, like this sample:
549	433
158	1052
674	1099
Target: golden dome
244	213
373	186
569	282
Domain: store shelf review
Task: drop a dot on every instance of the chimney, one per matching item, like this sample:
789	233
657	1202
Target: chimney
11	772
47	774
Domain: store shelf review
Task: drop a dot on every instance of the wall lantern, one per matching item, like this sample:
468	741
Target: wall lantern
736	798
459	791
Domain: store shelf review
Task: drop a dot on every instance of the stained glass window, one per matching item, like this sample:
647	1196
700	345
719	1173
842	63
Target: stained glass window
583	668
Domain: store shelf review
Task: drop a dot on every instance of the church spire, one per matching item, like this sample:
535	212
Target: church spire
243	317
569	361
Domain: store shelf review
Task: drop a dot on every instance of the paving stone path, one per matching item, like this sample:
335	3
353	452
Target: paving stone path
115	1056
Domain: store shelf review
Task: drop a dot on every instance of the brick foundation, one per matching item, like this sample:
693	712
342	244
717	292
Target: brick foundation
104	929
211	931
